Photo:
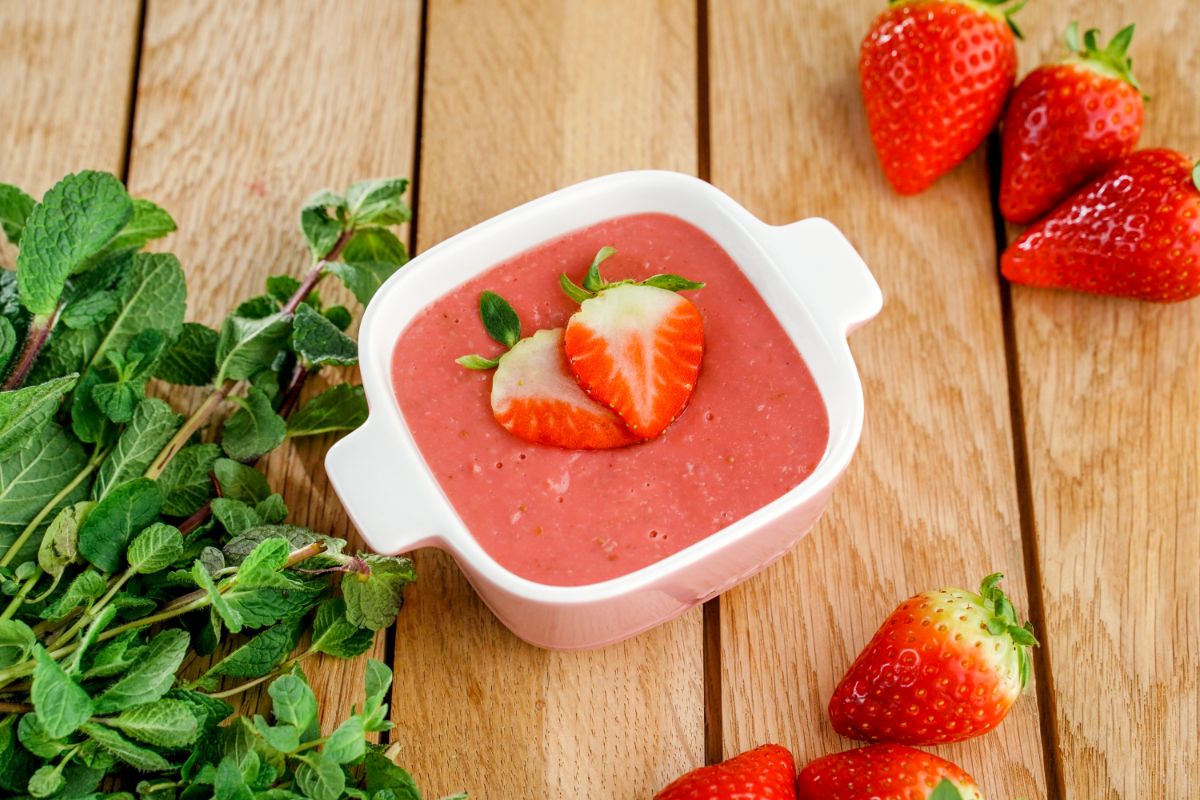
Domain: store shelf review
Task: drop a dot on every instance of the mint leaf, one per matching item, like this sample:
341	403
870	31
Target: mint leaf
318	341
83	589
333	633
68	351
499	319
347	743
154	549
150	677
89	309
272	510
48	780
369	259
134	755
321	229
8	343
101	621
154	423
148	222
123	512
339	316
320	777
88	422
234	515
229	783
293	701
15	206
340	408
60	543
258	655
32	477
60	703
74	221
16	642
185	483
383	775
237	549
378	201
192	359
229	615
254	429
25	413
374	598
208	711
378	680
152	294
240	482
117	656
162	723
246	346
33	737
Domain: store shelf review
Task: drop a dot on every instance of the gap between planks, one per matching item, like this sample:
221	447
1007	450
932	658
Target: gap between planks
1051	762
711	639
131	105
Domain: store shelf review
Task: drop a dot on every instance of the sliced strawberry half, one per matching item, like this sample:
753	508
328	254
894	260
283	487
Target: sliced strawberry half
636	347
534	395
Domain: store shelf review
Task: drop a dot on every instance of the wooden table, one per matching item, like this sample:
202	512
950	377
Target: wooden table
1055	437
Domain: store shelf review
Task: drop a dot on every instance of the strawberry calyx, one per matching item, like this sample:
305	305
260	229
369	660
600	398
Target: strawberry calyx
945	790
501	322
997	9
1196	175
593	283
1110	60
1003	622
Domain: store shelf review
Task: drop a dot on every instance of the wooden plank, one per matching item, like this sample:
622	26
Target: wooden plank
244	110
1112	430
522	98
930	499
66	103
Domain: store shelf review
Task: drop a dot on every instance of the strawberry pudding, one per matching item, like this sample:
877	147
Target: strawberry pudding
562	473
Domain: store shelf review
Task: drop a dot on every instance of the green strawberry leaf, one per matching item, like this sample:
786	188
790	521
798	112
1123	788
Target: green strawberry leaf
592	281
75	220
672	283
339	408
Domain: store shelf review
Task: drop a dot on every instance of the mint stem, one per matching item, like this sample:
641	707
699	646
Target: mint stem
275	673
26	588
196	520
291	395
35	339
15	708
194	423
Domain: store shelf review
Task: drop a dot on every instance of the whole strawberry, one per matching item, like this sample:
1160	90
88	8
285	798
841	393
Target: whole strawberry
1067	123
885	772
945	666
764	773
1134	232
934	76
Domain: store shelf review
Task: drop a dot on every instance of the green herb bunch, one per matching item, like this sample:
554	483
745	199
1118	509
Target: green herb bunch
132	537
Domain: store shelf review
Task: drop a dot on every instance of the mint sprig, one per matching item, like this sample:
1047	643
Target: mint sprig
134	538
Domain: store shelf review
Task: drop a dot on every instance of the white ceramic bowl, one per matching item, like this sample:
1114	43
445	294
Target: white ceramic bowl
809	275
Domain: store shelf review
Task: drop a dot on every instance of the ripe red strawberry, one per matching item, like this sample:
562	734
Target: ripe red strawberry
1134	232
764	773
945	666
1067	123
635	347
885	772
934	78
534	396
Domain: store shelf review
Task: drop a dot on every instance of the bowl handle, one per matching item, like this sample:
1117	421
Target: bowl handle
387	491
827	272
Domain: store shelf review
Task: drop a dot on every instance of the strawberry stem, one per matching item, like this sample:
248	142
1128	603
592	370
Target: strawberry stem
1004	622
1110	60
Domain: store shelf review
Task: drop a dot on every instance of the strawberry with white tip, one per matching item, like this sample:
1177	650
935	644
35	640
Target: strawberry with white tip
534	396
635	346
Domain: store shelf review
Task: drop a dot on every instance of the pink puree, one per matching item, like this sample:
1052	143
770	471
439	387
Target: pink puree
756	425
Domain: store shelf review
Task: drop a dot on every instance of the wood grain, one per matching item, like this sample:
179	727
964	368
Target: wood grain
930	499
1112	421
66	101
243	111
522	98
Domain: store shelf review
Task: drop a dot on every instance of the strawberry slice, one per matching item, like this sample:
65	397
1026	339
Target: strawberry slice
636	347
534	396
